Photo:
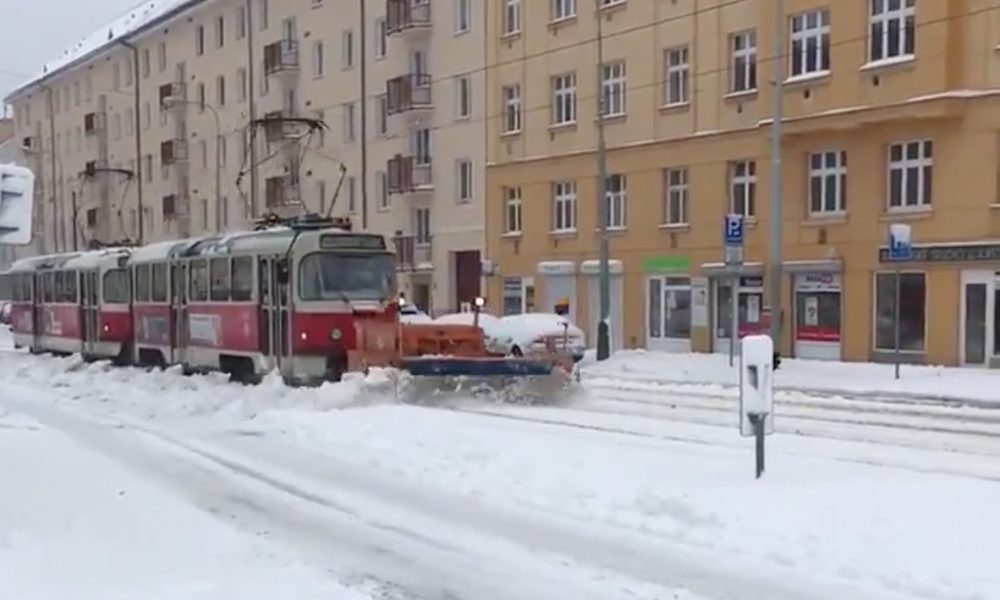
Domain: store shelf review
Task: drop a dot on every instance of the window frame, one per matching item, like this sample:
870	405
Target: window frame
681	189
677	76
614	89
564	100
875	310
801	34
513	206
743	75
511	98
823	173
564	206
924	165
905	19
616	198
748	181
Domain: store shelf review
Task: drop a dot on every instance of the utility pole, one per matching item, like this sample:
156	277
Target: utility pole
775	271
252	105
603	337
363	52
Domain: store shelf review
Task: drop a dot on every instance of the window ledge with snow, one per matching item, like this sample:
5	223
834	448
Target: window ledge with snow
741	95
675	227
675	106
888	63
907	213
804	78
512	235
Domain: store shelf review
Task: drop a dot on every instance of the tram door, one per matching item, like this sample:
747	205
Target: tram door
179	312
37	315
275	315
90	311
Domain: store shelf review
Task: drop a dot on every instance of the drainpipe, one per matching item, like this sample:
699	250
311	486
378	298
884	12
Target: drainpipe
137	93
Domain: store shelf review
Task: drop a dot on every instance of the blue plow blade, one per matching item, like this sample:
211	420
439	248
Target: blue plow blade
476	367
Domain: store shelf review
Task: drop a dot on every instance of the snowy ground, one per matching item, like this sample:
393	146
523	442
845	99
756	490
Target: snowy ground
639	488
817	377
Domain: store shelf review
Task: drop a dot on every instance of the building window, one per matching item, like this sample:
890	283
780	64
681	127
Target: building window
220	31
910	174
512	209
827	182
318	59
117	126
512	108
463	15
613	89
564	99
677	75
912	311
810	42
243	84
264	14
161	57
511	17
128	77
223	149
349	187
463	97
146	63
564	206
381	40
421	140
616	197
348	114
675	207
147	115
743	188
129	122
463	173
203	152
241	22
220	90
347	49
422	225
199	40
668	308
382	115
743	65
563	9
202	97
116	81
891	27
382	190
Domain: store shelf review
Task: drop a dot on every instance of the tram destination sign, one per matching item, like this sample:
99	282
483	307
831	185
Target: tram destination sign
351	242
948	253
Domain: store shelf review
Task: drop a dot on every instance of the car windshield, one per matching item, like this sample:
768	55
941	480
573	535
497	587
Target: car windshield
331	276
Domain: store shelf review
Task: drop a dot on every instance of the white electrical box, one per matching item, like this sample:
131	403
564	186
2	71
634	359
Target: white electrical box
756	382
17	191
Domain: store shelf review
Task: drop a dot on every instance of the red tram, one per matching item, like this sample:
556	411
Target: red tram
291	297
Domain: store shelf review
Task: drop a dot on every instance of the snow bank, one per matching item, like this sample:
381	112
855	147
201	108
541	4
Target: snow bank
74	525
947	383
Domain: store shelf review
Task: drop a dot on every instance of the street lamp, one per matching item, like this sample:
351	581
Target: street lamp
170	102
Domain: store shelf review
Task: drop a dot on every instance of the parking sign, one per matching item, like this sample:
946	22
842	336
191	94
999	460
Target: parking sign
900	242
734	230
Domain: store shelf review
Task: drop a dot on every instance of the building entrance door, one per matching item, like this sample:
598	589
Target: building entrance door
978	323
749	308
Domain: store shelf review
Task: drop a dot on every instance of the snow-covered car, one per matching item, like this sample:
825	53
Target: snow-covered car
409	313
495	336
532	332
5	313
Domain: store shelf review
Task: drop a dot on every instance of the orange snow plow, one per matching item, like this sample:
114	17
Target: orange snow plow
436	358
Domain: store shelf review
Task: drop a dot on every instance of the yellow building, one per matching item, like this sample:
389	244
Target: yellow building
892	115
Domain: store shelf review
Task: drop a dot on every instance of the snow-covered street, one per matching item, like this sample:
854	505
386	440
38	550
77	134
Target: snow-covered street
122	482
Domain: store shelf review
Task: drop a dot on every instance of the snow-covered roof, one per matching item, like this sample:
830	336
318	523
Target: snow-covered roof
97	258
134	20
158	251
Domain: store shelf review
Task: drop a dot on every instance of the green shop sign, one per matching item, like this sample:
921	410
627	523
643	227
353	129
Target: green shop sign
666	264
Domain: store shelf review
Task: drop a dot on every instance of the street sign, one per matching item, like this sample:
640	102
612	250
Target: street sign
733	230
734	255
900	242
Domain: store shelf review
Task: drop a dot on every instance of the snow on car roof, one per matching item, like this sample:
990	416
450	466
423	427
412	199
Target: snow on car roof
146	13
97	258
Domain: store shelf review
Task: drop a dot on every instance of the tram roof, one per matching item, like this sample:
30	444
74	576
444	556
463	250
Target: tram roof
161	251
98	258
37	263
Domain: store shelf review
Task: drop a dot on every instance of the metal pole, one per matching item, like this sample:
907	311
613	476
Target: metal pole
776	181
363	59
603	338
895	322
252	105
734	322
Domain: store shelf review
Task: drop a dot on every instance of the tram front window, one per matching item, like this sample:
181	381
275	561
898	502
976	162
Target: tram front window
329	276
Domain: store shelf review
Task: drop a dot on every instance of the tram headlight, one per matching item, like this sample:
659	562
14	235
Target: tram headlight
336	334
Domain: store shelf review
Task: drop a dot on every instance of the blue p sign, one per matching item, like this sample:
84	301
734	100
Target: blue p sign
734	230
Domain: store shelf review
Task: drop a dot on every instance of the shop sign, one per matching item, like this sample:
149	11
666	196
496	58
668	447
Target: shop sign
699	302
949	253
817	333
818	282
666	264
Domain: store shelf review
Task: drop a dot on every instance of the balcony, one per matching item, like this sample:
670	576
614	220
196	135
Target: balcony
172	151
407	17
409	93
413	253
281	57
282	195
276	128
171	95
93	123
410	175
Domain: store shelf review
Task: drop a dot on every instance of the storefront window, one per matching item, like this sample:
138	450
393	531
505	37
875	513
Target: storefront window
912	311
996	321
512	295
669	307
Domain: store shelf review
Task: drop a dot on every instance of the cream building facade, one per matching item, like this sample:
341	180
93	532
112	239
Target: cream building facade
891	116
189	117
